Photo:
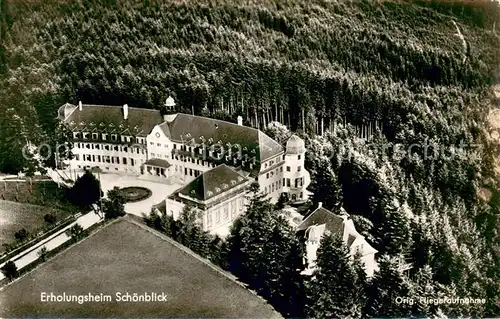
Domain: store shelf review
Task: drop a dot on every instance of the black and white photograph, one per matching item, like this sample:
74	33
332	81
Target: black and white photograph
249	159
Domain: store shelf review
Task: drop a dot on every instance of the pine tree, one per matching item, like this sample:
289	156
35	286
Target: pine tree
386	287
326	187
333	290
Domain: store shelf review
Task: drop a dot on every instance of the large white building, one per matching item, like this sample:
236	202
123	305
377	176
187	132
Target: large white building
222	157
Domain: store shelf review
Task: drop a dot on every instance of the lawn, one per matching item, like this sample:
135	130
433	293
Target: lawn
14	216
124	257
44	193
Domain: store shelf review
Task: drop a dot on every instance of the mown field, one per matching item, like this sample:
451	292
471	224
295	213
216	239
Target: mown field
15	216
125	258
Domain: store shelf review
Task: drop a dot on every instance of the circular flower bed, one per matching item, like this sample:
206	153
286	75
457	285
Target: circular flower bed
135	194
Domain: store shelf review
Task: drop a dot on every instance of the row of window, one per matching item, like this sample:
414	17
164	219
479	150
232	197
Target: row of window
289	169
159	144
105	159
274	186
192	160
187	171
271	174
108	137
298	182
271	163
225	211
107	147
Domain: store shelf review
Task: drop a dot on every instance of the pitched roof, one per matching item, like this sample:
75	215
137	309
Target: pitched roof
186	127
110	118
334	223
158	162
213	182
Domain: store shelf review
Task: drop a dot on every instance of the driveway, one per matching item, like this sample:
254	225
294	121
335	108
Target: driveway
159	187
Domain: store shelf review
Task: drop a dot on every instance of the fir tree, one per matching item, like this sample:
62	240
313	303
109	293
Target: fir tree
386	287
333	290
326	187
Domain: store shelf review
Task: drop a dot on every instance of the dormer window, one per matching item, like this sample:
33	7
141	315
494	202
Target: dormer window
217	189
233	182
210	140
225	186
210	193
240	178
82	123
101	124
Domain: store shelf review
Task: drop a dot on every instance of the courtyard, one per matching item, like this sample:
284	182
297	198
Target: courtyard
124	257
160	188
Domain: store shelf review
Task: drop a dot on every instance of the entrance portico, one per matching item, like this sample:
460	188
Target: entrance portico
157	167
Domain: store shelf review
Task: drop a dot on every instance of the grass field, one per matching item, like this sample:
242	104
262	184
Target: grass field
43	193
14	216
126	258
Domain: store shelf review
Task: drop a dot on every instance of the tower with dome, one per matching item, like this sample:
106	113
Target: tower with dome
296	178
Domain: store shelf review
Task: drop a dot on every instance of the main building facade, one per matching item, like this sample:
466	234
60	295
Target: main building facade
215	160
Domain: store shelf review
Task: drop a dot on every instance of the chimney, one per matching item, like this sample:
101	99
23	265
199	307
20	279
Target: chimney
240	120
125	111
80	105
320	204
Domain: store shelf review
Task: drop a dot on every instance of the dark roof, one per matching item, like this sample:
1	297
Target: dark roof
213	182
158	162
104	118
186	127
334	223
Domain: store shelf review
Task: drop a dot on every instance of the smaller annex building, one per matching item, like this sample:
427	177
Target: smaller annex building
321	221
218	195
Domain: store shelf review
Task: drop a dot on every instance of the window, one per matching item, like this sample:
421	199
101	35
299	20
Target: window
151	143
267	175
113	137
283	158
117	160
288	169
283	182
265	190
87	146
152	154
242	204
299	156
296	182
209	219
97	147
132	163
104	137
77	157
299	168
226	213
158	144
190	172
288	182
116	148
99	158
301	195
175	146
272	188
94	136
125	161
233	208
217	216
125	149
